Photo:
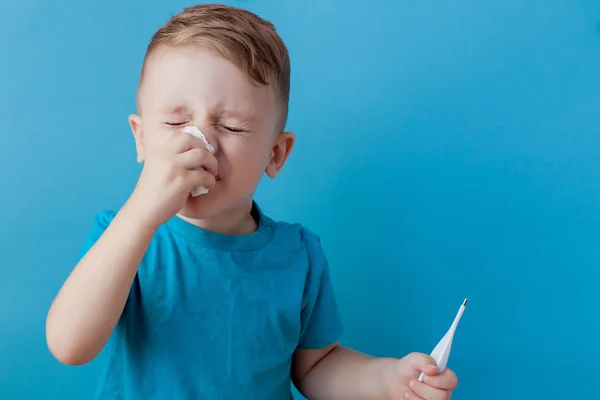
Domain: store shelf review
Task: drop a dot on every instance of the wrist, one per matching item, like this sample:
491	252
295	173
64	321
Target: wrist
377	377
135	216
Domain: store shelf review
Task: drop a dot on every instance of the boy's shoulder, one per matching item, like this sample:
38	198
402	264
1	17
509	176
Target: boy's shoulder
297	234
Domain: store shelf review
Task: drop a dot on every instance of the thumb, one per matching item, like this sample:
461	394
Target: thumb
422	363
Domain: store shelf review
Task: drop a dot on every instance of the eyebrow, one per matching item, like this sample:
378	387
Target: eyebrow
242	116
219	114
176	110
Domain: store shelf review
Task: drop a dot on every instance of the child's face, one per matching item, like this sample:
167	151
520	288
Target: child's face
189	85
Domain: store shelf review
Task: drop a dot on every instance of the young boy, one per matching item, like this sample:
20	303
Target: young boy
206	297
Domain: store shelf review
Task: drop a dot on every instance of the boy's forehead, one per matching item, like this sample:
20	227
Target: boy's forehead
176	77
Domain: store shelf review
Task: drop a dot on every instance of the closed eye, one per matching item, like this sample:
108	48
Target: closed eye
232	129
175	123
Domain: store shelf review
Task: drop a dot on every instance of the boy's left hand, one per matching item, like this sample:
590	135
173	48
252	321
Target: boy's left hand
402	384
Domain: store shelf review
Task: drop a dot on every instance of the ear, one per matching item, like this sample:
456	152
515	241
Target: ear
280	152
135	123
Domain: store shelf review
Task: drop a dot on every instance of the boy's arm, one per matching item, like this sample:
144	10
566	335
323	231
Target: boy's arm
321	370
90	303
337	372
88	306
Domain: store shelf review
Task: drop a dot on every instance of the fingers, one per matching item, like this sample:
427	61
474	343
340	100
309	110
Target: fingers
188	180
435	385
412	396
447	380
198	158
423	391
199	178
422	362
182	142
193	169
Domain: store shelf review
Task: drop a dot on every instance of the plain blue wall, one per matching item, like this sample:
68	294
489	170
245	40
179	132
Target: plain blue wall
445	149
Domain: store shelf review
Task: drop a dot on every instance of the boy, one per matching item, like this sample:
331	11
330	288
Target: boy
206	297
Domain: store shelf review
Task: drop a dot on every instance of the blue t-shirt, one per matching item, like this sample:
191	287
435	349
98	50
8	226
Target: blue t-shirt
212	316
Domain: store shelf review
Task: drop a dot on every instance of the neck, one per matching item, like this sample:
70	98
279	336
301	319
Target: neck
237	221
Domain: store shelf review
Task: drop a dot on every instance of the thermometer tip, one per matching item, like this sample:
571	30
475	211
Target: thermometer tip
465	302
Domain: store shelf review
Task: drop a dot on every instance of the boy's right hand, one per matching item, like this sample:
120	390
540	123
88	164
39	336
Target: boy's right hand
170	173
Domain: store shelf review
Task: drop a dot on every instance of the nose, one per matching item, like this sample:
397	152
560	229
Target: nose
199	134
212	142
210	135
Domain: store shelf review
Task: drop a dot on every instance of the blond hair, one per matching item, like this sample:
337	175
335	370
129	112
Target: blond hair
240	36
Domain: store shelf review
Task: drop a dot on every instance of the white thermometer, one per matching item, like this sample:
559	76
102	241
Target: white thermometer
441	352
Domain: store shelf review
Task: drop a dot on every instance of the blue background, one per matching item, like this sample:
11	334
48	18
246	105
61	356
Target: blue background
446	149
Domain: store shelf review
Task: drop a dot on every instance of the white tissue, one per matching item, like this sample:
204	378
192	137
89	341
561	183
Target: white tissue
192	130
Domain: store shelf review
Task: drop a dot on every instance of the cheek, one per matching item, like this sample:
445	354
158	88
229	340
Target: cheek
155	136
245	161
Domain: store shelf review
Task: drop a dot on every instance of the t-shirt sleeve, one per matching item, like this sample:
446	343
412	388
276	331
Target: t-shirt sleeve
321	321
101	222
